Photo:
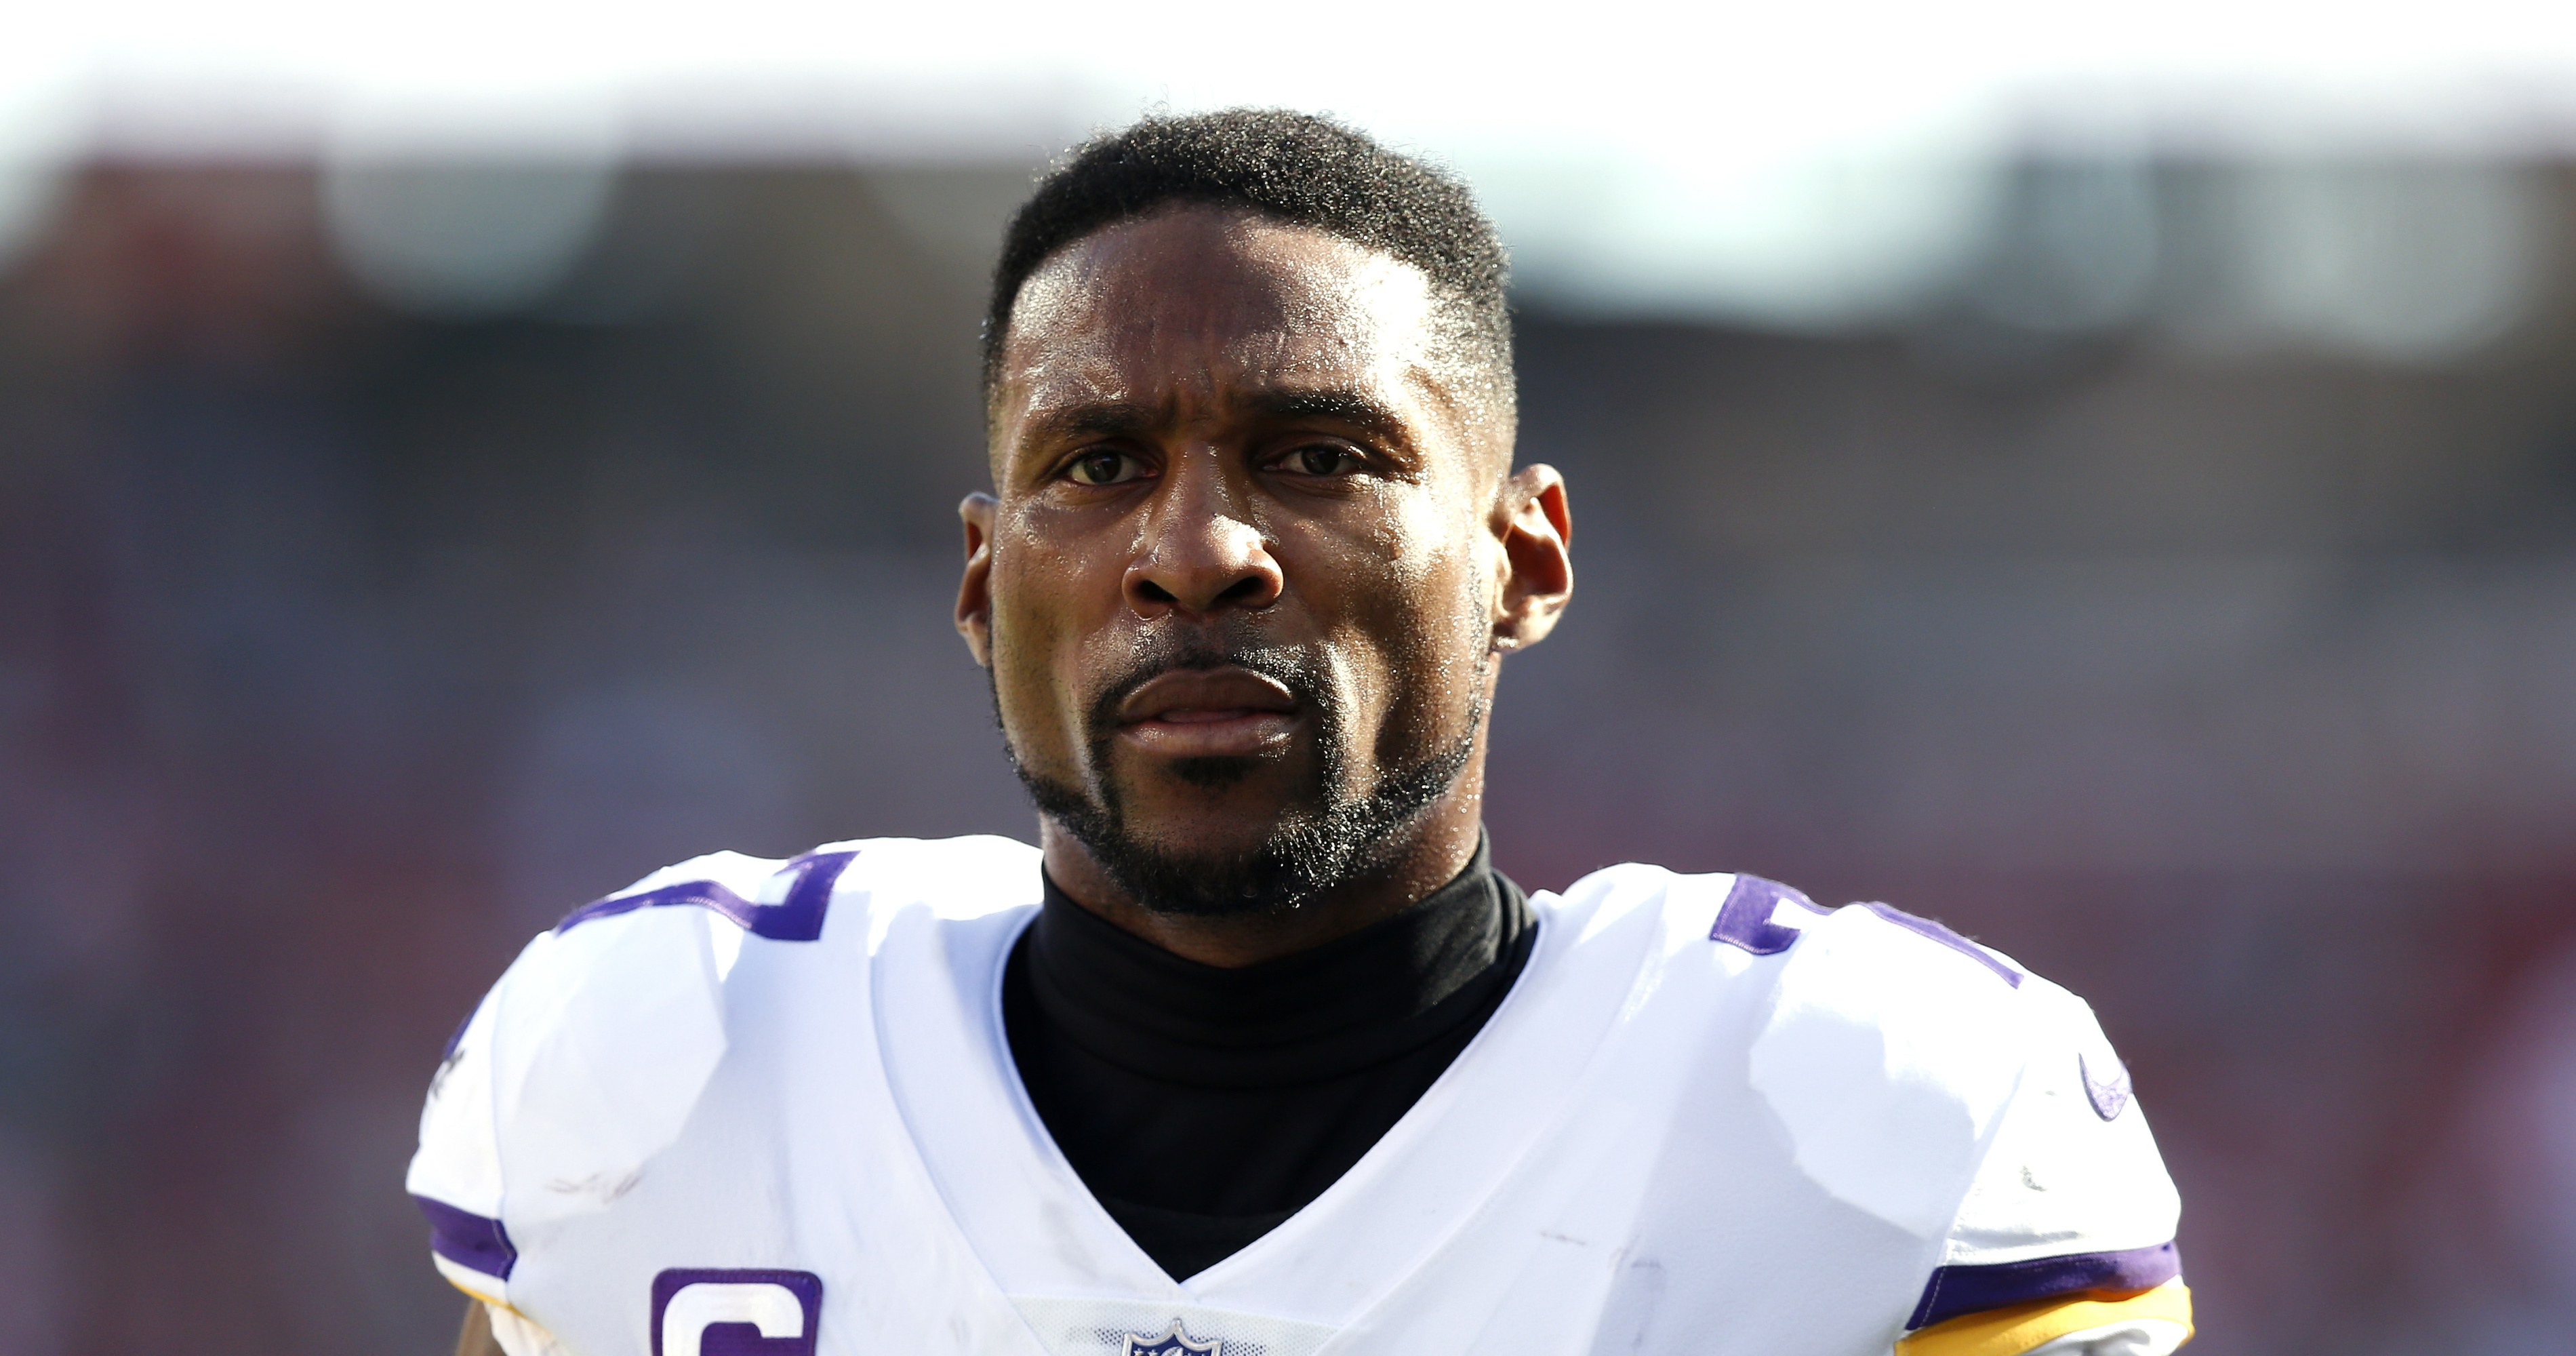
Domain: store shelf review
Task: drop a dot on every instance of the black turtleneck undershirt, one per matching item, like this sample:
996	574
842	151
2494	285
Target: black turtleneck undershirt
1204	1105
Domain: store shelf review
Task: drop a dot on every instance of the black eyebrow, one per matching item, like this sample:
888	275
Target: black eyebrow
1103	419
1113	418
1127	419
1347	407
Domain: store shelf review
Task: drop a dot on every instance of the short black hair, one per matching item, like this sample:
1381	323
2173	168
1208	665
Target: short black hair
1296	167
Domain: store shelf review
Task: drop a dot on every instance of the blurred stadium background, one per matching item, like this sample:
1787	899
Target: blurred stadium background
2107	483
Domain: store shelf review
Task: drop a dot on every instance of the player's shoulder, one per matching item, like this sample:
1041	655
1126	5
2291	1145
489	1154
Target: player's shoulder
664	948
588	1055
794	899
1887	1046
1868	963
665	951
694	920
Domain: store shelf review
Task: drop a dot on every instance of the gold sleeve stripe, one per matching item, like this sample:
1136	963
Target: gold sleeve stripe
447	1272
2024	1327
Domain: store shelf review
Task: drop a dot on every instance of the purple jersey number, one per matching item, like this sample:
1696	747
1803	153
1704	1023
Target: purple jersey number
796	917
1744	920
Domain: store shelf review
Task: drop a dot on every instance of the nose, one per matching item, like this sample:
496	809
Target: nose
1201	550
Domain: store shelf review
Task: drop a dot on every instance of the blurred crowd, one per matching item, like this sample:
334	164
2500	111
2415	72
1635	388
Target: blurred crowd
352	630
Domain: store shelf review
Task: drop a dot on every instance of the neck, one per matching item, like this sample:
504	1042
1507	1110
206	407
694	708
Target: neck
1424	855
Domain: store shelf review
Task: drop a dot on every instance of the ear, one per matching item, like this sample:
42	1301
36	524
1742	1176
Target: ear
1537	533
975	590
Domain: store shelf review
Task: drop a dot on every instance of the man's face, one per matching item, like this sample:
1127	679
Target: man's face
1241	580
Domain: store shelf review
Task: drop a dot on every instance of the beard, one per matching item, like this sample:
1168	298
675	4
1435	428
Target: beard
1326	836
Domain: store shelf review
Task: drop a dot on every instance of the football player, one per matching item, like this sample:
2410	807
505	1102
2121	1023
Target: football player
1255	1053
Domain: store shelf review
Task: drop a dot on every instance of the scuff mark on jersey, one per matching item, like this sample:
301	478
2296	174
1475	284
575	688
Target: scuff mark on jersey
601	1185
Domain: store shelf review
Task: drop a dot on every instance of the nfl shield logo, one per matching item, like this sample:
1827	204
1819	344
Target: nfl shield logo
1172	1343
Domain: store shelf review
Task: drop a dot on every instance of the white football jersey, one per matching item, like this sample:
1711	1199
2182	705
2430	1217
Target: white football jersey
761	1108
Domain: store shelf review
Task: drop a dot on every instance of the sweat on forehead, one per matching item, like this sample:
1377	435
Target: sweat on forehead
1201	306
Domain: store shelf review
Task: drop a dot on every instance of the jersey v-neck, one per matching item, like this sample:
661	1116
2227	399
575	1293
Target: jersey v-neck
1420	1205
1202	1106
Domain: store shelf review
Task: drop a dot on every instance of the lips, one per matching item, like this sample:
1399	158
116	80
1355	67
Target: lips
1203	713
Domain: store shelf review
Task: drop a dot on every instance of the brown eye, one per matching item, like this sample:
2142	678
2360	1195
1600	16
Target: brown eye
1325	460
1102	468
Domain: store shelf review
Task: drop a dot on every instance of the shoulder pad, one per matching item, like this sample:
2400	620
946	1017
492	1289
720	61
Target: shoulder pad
588	1056
964	877
1889	1051
606	1030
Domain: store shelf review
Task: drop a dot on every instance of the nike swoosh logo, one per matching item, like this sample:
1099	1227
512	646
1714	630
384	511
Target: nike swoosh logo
2109	1096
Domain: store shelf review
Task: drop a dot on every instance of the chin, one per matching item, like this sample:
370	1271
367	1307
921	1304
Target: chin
1216	855
1240	834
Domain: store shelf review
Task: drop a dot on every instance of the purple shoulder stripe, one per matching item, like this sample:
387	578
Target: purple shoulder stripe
1745	918
1925	927
798	917
457	1038
1968	1290
468	1239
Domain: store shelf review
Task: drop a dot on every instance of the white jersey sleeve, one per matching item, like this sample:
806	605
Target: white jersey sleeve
1943	1088
2066	1234
586	1058
455	1176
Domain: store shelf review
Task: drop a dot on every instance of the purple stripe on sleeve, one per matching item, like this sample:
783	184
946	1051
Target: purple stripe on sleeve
467	1239
458	1038
798	917
1745	918
1925	927
1969	1290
